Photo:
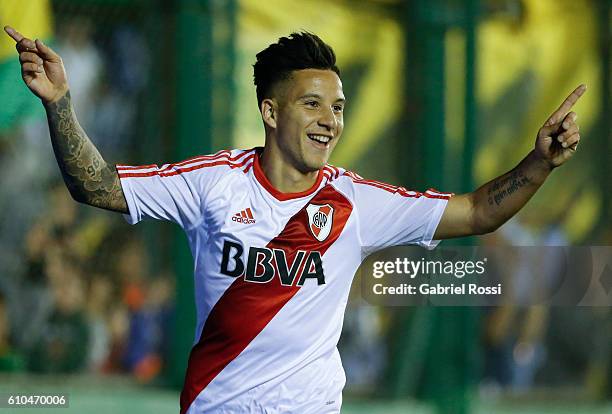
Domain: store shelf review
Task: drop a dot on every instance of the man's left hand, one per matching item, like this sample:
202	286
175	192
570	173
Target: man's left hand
558	138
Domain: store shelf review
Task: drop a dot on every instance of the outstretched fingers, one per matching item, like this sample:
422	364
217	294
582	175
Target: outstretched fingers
565	107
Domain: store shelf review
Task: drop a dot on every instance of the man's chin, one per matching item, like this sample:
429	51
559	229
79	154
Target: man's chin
316	165
313	162
311	167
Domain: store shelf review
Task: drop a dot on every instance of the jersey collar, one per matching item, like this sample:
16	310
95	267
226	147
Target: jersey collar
263	181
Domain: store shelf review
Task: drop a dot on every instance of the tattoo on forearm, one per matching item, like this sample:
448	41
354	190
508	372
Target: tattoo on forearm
506	186
88	177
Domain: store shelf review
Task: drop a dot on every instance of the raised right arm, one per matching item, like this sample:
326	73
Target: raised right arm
89	178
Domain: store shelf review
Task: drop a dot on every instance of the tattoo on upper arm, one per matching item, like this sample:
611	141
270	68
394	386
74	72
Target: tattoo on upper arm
505	186
88	177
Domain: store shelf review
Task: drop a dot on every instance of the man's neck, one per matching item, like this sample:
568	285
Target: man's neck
283	176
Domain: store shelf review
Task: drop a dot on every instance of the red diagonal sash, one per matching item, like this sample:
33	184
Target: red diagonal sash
246	308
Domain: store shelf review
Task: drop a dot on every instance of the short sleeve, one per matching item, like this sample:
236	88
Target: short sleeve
173	192
178	192
161	194
392	216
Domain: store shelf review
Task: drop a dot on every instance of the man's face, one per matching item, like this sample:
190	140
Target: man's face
310	117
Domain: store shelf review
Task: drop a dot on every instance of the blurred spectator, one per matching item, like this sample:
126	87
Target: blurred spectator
118	327
148	326
26	156
98	300
587	361
116	97
131	272
50	237
62	346
363	350
514	332
83	63
529	346
362	343
127	46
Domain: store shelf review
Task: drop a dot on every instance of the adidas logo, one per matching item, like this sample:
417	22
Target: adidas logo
244	217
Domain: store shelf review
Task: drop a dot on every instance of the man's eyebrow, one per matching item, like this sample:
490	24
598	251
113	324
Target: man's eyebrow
317	96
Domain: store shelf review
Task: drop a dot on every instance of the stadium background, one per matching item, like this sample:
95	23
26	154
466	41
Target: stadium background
441	93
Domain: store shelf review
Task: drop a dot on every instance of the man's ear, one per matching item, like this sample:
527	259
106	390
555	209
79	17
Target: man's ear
268	112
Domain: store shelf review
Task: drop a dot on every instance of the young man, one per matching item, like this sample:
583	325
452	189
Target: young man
276	232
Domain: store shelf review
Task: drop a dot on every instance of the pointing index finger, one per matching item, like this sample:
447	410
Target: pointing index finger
13	33
567	104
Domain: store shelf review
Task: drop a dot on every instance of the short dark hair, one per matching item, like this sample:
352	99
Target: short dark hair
302	50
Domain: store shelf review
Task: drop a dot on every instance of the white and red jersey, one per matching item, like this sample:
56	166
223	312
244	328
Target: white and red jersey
273	272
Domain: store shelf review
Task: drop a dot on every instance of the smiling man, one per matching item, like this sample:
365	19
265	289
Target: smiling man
276	233
308	106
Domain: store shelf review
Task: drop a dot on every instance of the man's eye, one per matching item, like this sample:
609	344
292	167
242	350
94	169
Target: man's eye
338	108
314	104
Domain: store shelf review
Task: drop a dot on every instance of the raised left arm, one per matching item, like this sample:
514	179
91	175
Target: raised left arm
491	205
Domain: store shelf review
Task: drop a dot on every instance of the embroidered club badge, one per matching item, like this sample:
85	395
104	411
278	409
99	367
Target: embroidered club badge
320	220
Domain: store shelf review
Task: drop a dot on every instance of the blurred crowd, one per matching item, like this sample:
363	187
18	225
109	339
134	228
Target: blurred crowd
78	292
527	346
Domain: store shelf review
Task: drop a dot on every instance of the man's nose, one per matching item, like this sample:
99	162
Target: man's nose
328	119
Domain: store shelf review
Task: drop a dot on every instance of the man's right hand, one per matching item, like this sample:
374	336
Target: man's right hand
42	69
89	178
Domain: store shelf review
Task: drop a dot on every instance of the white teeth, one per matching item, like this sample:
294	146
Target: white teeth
319	138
